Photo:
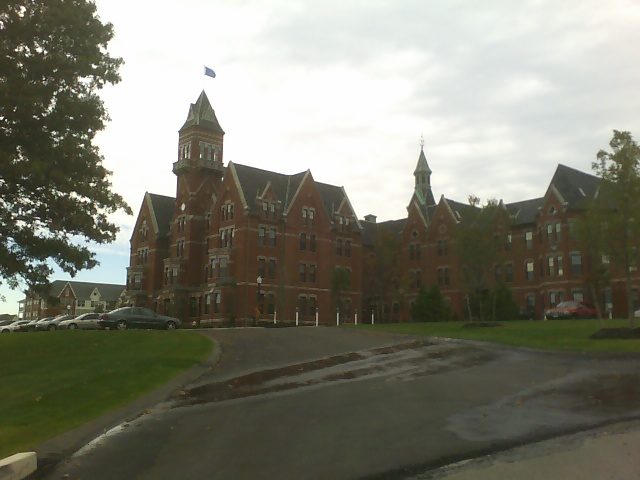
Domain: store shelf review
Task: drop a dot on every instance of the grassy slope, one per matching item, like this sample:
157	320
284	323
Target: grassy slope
571	335
51	382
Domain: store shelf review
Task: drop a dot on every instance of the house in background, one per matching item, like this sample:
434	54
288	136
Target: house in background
66	296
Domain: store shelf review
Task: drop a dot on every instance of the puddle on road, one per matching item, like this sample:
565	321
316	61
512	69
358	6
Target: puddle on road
575	401
402	362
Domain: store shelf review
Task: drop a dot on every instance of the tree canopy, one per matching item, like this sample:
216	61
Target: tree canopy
55	193
614	214
480	248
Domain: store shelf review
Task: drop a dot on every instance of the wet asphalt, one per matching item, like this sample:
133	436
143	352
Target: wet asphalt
320	403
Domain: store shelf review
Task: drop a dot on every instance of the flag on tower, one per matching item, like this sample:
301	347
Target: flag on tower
209	72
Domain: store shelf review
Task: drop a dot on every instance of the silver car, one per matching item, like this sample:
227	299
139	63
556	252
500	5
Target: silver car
13	327
86	321
52	323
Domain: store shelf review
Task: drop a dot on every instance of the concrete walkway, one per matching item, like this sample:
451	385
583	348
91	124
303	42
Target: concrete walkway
609	453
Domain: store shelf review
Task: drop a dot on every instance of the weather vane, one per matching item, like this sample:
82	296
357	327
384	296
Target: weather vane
421	142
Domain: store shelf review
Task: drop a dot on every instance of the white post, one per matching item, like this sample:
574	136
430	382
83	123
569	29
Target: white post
275	316
337	317
297	322
372	319
316	317
356	317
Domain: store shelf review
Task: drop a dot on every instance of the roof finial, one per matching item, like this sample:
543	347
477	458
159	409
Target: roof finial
421	142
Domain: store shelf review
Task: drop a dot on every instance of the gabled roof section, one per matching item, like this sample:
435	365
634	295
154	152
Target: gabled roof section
526	211
575	187
57	286
161	209
253	181
332	197
83	290
370	230
458	209
108	291
202	114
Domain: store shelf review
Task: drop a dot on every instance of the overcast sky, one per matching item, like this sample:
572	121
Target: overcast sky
502	91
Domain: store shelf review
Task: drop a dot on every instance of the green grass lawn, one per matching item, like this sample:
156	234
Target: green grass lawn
566	335
51	382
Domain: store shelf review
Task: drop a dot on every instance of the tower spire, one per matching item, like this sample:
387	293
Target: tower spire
422	176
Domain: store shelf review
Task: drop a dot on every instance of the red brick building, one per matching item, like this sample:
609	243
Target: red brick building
239	242
542	261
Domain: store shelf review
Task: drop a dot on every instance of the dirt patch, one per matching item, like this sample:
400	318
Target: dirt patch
401	362
605	392
616	333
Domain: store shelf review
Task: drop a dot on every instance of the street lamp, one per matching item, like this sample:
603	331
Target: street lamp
258	293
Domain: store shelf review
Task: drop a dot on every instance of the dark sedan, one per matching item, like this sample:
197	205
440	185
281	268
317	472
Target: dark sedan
136	317
570	309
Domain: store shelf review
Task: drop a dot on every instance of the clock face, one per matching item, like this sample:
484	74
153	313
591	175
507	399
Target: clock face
183	206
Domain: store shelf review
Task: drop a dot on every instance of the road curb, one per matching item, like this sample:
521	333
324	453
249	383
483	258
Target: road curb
18	466
56	449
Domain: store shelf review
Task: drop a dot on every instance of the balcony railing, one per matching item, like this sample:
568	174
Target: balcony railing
210	165
180	165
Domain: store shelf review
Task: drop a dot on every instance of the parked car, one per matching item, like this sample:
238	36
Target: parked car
13	326
86	321
30	326
6	322
570	309
136	317
52	324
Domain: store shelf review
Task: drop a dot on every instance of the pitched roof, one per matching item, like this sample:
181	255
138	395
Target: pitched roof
202	114
576	187
108	291
162	209
254	180
525	212
332	197
458	208
371	229
83	290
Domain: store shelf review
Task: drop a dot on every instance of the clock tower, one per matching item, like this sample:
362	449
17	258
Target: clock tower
199	171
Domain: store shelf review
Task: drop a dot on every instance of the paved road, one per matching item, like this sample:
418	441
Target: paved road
343	403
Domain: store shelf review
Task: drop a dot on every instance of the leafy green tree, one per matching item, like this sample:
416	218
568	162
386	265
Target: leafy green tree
504	306
386	281
55	194
616	208
479	250
340	282
593	240
431	306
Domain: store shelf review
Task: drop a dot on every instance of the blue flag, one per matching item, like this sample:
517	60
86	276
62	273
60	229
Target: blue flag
209	72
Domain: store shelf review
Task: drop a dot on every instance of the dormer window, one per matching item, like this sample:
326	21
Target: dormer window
308	215
144	231
227	211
